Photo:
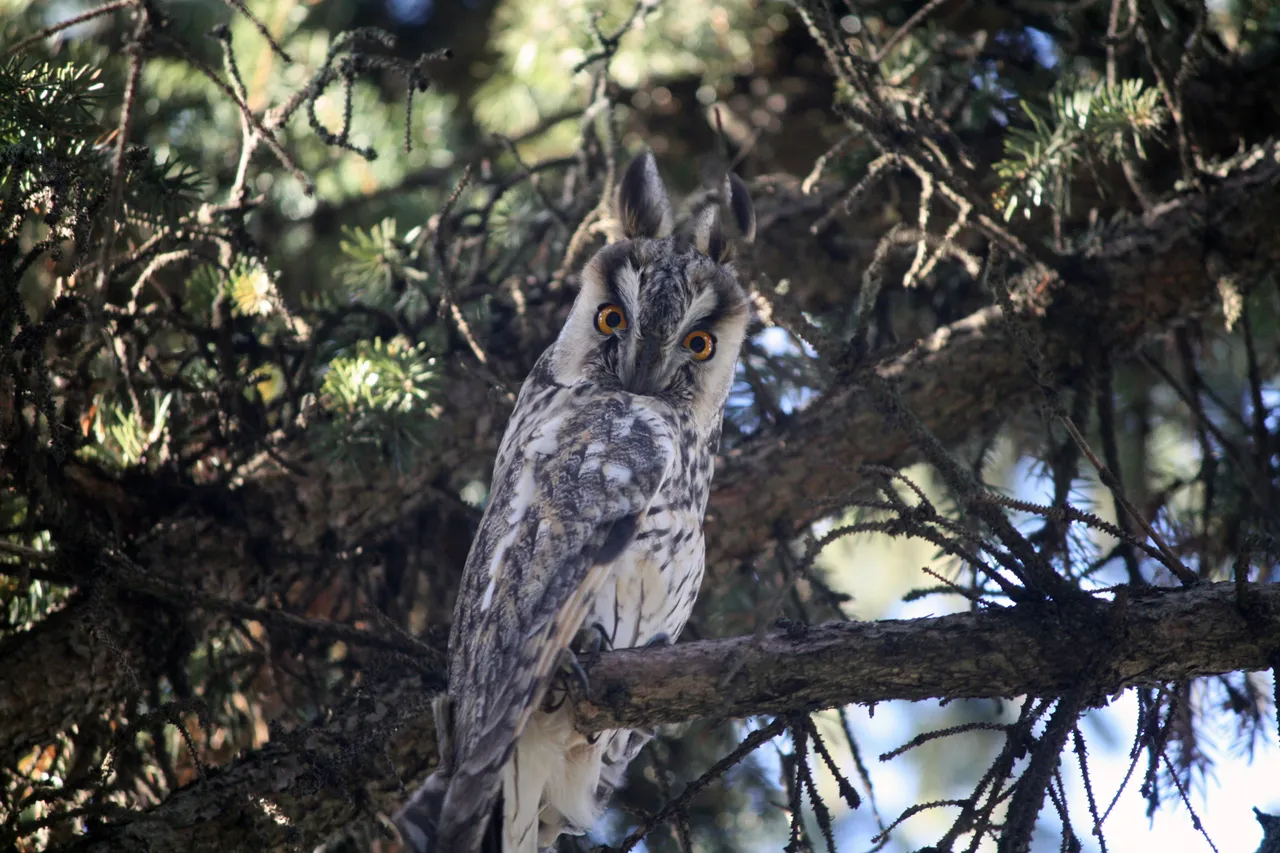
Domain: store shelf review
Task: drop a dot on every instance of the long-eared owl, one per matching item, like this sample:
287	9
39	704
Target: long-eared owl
594	522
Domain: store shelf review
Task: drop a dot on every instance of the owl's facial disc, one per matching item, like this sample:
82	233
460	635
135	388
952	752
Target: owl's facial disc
665	316
660	313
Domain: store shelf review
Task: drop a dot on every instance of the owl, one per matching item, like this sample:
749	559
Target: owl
593	526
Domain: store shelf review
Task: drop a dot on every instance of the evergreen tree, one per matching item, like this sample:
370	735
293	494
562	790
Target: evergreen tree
271	273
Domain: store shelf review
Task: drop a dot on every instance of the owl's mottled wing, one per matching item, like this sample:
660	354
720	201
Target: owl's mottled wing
563	505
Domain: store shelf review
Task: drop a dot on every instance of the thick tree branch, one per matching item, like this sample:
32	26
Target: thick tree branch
1160	635
56	675
295	791
1038	650
1045	650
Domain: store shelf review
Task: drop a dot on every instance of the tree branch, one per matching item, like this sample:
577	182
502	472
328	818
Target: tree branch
386	734
56	675
1038	650
295	791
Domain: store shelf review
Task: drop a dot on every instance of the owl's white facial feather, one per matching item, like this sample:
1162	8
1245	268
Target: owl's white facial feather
702	305
665	286
627	283
665	289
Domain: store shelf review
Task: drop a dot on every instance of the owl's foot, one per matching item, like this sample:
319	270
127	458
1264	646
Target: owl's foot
584	648
590	641
569	670
662	638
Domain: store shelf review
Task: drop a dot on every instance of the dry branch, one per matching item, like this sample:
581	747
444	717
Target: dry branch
1046	650
1036	650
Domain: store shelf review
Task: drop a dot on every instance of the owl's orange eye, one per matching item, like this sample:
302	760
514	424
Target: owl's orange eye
701	344
610	319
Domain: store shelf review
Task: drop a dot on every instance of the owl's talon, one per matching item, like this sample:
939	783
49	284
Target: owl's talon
591	640
662	638
569	668
585	649
550	706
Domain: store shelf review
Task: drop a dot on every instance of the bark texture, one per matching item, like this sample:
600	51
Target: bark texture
1037	650
286	793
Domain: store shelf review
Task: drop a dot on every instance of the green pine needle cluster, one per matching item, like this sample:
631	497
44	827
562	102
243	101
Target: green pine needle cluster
380	397
124	438
50	162
377	271
1083	125
52	108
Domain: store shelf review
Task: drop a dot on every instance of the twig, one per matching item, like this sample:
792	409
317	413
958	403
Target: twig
116	196
749	745
902	32
1082	754
1261	434
1030	567
1186	801
240	7
912	811
1170	90
1028	794
608	44
819	165
1105	405
1207	423
53	29
1108	479
264	135
926	737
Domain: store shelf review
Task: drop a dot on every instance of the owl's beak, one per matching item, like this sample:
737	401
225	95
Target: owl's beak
647	377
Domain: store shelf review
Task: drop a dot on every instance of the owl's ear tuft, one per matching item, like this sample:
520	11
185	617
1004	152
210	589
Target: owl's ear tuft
708	236
744	212
708	233
642	205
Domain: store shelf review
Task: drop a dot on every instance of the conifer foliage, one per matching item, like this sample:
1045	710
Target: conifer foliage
271	274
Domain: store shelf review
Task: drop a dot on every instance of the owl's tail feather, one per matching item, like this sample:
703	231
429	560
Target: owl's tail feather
457	810
419	818
419	822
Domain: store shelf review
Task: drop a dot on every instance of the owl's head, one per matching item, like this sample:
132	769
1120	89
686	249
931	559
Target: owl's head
660	313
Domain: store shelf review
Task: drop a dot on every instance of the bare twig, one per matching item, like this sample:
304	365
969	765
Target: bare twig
903	31
749	744
54	29
115	199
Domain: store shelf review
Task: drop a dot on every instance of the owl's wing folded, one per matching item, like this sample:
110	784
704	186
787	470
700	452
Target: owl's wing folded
563	505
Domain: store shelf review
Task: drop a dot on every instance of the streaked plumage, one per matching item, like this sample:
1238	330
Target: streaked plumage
594	518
